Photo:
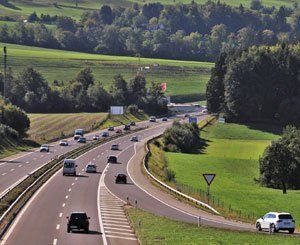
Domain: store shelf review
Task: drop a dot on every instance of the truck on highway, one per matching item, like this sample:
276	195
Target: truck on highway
78	133
69	167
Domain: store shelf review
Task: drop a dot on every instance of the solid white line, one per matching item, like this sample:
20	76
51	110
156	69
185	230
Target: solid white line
23	210
121	237
101	180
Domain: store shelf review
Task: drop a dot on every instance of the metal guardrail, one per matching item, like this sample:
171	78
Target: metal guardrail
169	188
59	160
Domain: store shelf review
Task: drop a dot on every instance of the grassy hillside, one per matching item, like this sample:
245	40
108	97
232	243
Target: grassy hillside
182	77
9	146
49	127
159	230
67	7
232	153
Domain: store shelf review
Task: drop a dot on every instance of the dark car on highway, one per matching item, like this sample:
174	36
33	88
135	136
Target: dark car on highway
119	131
81	140
121	179
105	134
78	221
112	159
111	128
126	127
132	123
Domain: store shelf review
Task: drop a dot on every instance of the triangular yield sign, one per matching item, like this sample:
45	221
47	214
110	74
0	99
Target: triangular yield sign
209	178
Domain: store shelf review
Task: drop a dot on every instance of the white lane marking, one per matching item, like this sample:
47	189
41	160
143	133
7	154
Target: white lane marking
23	210
82	169
122	237
57	227
73	183
4	174
161	201
114	218
119	229
101	183
54	241
34	158
120	233
42	155
20	165
76	178
27	162
12	169
60	215
116	225
63	205
67	197
69	189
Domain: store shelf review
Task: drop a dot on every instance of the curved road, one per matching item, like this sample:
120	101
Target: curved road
43	219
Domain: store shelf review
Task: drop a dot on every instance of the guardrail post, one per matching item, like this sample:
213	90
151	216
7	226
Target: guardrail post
127	200
199	221
135	203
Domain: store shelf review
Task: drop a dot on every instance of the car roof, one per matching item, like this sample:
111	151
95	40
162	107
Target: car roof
278	213
122	175
78	212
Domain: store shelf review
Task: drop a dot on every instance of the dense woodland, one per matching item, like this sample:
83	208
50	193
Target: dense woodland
30	91
258	84
182	31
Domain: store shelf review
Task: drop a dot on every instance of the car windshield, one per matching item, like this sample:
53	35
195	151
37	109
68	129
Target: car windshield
285	216
44	145
79	216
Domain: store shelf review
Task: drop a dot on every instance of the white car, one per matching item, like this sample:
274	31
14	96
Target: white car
114	147
276	222
96	137
63	143
44	148
91	168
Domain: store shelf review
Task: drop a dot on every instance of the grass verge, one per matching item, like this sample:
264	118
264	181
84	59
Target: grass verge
153	229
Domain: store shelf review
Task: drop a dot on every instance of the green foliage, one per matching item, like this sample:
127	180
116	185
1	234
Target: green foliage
181	137
154	229
280	164
260	84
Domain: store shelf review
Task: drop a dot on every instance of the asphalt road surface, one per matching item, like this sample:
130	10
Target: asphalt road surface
43	219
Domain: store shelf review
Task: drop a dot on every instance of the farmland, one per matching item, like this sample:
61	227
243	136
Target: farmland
235	147
22	8
182	77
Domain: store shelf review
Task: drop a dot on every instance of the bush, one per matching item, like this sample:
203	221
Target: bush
6	131
133	109
181	137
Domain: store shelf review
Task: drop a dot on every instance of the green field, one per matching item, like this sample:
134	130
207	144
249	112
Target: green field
232	153
182	77
49	127
22	8
154	229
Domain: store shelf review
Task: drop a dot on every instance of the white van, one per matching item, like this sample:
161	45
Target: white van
69	167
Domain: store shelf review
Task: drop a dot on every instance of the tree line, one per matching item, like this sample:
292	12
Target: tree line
258	84
30	91
181	31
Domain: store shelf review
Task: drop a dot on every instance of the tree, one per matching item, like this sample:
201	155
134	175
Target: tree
32	17
85	77
280	163
156	102
106	15
256	5
137	90
66	23
100	99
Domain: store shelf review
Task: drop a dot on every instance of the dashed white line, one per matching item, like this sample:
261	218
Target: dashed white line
27	162
76	178
69	189
63	205
60	215
57	227
67	197
4	174
54	241
20	165
73	183
12	169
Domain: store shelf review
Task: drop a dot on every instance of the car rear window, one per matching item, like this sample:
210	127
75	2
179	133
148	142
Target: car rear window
78	216
285	216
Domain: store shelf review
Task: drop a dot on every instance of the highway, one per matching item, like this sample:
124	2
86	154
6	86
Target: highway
43	219
14	169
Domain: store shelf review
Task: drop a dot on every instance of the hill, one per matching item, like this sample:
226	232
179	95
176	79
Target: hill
18	8
182	77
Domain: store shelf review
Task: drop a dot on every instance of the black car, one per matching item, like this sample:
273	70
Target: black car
126	127
121	179
164	119
78	221
112	159
111	128
132	123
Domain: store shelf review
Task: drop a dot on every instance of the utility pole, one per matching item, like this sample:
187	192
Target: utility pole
5	74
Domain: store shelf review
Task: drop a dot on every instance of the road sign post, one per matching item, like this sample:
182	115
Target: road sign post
209	179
